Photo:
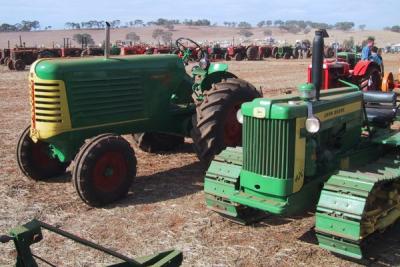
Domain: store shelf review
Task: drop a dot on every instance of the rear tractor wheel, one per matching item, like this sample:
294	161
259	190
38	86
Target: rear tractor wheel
104	170
215	125
371	80
2	61
19	65
154	142
35	160
238	57
227	57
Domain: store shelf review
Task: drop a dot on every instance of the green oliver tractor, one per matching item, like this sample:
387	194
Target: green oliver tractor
81	107
335	151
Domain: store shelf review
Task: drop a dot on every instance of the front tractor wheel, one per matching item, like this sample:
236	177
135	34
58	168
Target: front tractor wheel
155	142
10	64
35	160
215	125
104	170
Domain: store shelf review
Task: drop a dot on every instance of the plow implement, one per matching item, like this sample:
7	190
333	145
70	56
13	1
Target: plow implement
30	233
355	204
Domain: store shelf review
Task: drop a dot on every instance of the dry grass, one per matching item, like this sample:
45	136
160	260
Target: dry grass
165	208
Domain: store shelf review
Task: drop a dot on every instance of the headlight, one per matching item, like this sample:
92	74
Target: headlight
313	125
239	116
204	63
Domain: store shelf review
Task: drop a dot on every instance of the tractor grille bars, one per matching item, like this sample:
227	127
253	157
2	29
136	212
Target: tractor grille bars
268	147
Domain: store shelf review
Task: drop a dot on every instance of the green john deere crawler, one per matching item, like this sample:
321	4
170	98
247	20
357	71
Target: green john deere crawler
334	151
81	107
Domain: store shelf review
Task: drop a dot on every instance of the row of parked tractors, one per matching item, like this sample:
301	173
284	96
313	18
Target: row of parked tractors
20	57
329	147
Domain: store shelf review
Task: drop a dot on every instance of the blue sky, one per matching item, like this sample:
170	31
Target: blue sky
375	14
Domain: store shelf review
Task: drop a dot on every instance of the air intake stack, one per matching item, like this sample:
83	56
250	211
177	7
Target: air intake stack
318	59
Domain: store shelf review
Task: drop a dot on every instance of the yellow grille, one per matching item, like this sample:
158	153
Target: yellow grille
47	102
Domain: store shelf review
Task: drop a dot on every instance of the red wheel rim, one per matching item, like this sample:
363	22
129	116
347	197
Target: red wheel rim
110	171
232	128
40	156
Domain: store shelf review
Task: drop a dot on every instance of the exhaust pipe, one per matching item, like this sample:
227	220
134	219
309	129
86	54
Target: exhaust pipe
107	44
318	59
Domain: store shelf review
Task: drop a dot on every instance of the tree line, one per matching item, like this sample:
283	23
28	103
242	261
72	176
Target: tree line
293	26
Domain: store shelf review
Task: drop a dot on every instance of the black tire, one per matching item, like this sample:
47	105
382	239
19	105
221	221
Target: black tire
99	155
227	57
2	61
214	125
19	65
277	56
328	52
252	53
274	51
6	59
267	52
34	160
155	142
286	55
10	64
371	80
238	57
296	53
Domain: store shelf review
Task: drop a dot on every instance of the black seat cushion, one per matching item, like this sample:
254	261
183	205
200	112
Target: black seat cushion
380	116
380	107
380	97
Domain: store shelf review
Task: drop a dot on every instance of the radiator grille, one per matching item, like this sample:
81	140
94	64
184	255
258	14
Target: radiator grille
46	102
268	147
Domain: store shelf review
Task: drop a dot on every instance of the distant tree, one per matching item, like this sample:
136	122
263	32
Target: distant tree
244	25
157	33
395	28
269	23
344	25
267	32
166	37
5	27
115	23
170	26
138	22
261	24
278	22
81	38
362	27
132	36
246	33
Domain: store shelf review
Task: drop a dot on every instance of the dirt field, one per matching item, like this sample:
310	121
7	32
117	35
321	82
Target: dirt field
200	34
165	208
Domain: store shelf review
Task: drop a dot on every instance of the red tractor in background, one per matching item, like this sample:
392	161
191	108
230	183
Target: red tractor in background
71	52
5	55
366	74
250	52
133	50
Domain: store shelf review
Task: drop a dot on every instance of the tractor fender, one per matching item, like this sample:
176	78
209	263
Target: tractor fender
215	77
362	66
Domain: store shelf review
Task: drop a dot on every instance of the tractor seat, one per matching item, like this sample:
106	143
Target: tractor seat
380	107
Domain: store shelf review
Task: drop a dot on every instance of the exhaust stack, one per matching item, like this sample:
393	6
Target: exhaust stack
107	43
318	59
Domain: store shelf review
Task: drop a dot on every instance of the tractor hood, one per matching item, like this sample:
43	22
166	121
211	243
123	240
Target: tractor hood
61	69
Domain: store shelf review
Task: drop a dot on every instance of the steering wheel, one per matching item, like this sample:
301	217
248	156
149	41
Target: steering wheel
186	51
